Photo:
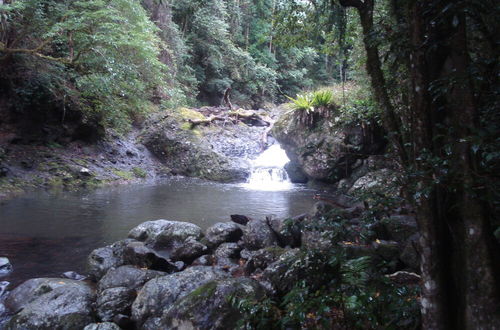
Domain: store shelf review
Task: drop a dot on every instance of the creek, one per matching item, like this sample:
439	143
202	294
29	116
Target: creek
47	233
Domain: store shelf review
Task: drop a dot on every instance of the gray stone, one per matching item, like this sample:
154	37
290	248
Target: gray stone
410	256
102	326
127	276
263	258
165	233
208	307
227	254
388	250
161	292
205	260
139	254
288	231
295	173
279	277
51	304
114	301
188	250
102	259
400	227
5	266
257	235
223	232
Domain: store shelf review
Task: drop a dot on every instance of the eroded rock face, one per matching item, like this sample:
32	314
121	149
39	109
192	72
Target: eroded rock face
209	307
50	303
216	152
325	153
159	293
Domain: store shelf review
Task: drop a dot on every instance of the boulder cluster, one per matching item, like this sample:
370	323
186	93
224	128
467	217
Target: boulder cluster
172	275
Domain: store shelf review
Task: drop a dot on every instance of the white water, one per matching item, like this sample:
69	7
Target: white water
268	171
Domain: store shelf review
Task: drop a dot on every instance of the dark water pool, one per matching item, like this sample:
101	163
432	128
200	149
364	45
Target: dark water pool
46	234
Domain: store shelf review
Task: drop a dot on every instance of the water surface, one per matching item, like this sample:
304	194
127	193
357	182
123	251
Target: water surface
46	234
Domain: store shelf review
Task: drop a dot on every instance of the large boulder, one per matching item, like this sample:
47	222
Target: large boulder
127	276
214	152
209	306
223	232
139	254
102	259
159	293
114	301
327	152
262	258
51	303
165	233
257	234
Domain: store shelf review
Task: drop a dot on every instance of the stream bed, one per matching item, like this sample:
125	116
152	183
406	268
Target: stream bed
45	234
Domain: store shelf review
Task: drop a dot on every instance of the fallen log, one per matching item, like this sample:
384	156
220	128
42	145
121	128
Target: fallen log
195	122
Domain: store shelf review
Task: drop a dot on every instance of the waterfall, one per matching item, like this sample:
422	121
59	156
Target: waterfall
268	172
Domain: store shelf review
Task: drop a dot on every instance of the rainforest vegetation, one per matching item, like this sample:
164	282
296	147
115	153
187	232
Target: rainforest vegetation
424	72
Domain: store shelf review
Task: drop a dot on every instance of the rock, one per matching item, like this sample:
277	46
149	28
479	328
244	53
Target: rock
223	232
102	326
205	260
161	292
400	227
257	235
404	278
315	239
102	259
227	254
127	276
240	219
123	321
326	152
388	250
50	303
209	306
295	173
114	301
410	256
288	231
165	233
3	288
247	254
189	250
5	266
138	254
74	276
279	277
382	179
263	258
85	172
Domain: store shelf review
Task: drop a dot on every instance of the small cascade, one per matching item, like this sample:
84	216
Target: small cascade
268	171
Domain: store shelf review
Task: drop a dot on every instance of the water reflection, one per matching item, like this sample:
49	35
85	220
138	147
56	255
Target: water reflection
45	234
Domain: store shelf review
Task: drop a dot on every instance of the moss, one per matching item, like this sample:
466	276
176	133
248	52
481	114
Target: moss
186	114
139	172
203	292
123	174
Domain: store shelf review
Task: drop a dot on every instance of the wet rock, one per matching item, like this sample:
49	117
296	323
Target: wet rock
5	266
127	276
4	171
382	179
85	172
161	292
223	232
102	326
138	254
209	306
263	258
400	227
3	288
123	321
315	239
295	173
410	256
257	235
51	304
227	254
188	250
102	259
240	219
74	276
247	254
165	233
114	301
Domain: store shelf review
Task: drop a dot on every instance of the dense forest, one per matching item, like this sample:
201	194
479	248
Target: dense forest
423	74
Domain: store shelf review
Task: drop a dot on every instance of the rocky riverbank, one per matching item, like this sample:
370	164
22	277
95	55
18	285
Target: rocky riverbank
170	143
172	275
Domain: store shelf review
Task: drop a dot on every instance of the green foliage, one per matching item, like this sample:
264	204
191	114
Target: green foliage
98	57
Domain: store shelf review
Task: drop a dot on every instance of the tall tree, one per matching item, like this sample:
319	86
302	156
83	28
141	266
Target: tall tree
459	260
